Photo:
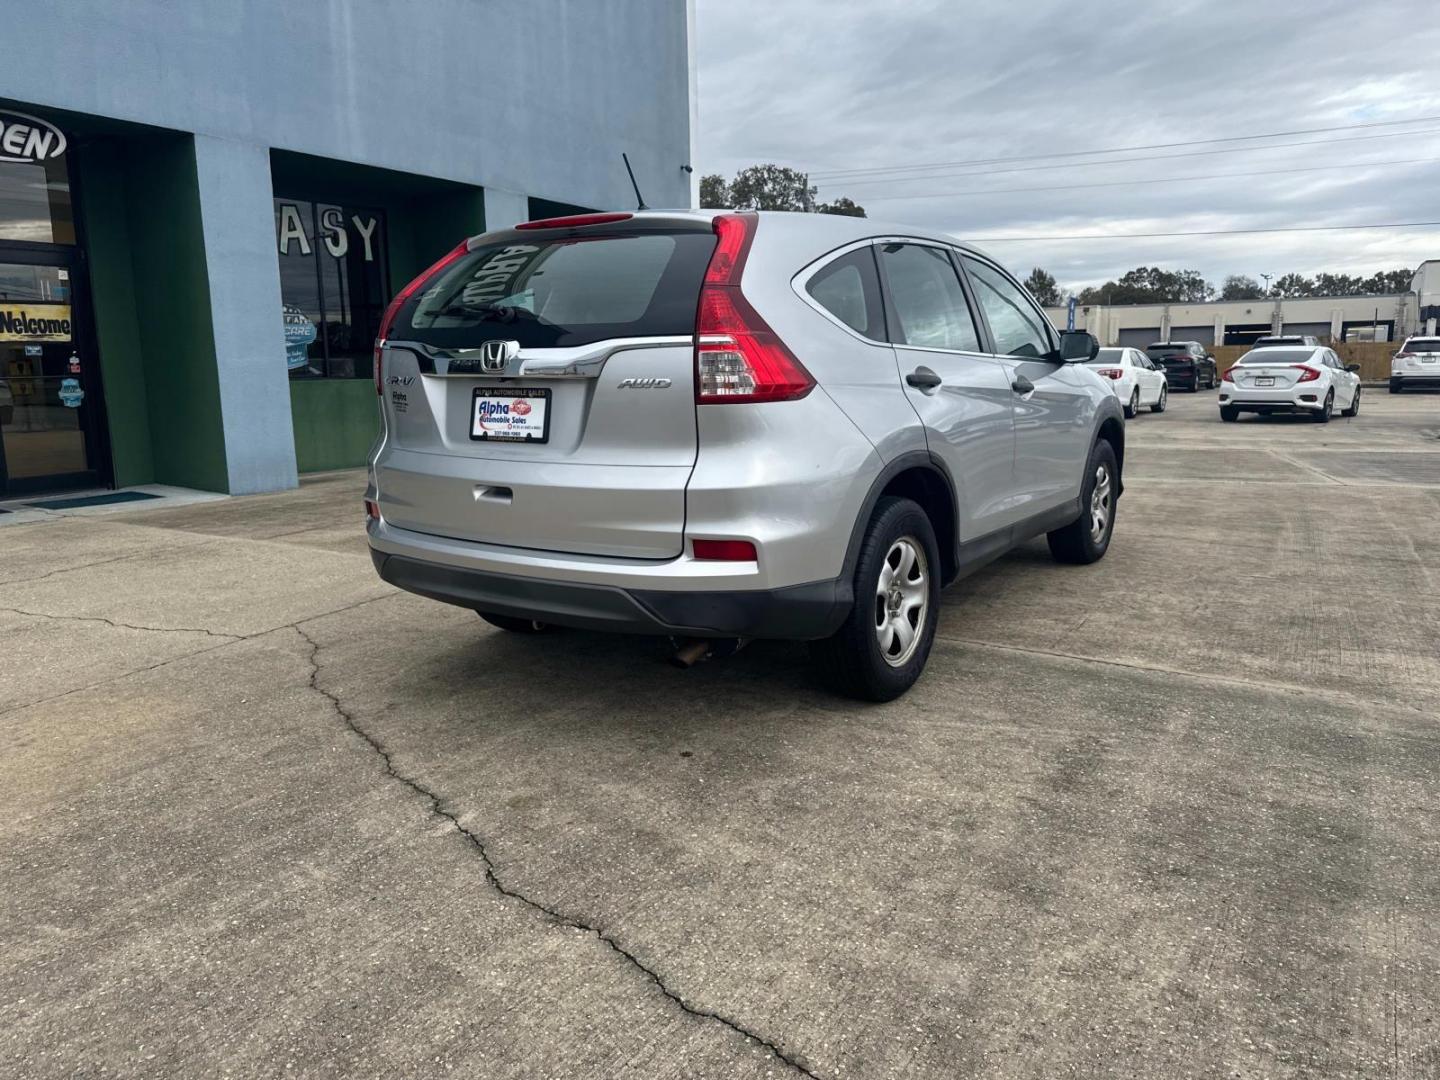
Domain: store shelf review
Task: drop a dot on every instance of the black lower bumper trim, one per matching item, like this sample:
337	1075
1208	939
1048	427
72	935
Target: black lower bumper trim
797	613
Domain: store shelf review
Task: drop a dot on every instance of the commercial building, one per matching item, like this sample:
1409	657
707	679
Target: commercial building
1239	322
204	208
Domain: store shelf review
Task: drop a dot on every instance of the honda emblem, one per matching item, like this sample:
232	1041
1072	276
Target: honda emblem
494	355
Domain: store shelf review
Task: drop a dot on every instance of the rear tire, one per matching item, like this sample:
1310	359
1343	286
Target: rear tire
1229	414
1354	409
1161	401
1395	386
1323	415
1087	538
1132	407
853	661
515	625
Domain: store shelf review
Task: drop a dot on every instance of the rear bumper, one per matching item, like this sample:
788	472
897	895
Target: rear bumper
1416	378
796	613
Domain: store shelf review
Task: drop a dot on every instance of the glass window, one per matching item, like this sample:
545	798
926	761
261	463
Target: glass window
1016	324
332	286
557	293
927	298
849	288
35	202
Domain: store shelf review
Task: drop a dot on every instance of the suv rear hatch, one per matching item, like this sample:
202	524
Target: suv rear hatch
1171	356
537	388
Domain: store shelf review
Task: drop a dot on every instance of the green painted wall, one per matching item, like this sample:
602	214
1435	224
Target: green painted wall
140	209
99	179
336	420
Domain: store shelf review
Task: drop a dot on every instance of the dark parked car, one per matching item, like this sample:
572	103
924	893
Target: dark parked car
1186	364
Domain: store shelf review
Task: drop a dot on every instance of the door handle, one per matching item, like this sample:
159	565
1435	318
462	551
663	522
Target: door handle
922	378
1022	385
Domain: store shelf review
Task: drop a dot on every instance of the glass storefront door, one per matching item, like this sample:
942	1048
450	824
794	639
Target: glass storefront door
49	384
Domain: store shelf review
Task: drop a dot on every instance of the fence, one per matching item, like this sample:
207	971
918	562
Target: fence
1372	356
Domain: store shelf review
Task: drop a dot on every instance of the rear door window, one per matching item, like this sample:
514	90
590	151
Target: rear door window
558	293
927	299
1016	324
849	288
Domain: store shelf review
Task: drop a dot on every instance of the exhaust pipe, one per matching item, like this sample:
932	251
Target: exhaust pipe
690	652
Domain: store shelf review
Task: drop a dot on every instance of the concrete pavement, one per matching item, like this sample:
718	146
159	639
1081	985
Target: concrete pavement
1170	815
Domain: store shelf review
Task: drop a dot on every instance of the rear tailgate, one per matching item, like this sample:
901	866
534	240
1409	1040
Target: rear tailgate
540	393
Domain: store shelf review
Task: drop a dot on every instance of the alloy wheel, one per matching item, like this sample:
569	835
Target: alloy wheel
1101	504
902	600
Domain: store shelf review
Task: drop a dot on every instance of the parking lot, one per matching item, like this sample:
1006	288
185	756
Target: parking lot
1173	814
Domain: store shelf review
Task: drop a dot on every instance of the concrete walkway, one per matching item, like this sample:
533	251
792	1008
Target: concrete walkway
1171	815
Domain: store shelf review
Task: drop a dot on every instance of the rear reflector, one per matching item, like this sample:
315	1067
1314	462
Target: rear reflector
372	512
738	358
388	319
574	221
724	550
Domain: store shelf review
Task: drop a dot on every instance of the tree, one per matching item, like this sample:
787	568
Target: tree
1389	281
844	206
714	192
1043	288
1292	285
1240	287
772	187
1151	285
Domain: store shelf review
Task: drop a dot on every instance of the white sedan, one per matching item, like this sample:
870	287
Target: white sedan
1134	377
1311	380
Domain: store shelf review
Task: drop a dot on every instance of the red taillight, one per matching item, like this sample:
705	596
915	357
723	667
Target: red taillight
1404	355
1111	373
724	550
388	319
1307	374
574	221
738	358
1229	375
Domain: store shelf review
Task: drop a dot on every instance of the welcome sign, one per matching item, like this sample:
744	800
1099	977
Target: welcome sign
39	322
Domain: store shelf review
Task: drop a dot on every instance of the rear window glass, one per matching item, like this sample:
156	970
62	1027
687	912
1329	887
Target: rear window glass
559	293
1167	350
1277	356
1108	356
1423	345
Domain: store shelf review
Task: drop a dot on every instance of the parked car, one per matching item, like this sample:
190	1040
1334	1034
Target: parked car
1187	364
1275	340
1416	364
1294	380
717	428
1136	380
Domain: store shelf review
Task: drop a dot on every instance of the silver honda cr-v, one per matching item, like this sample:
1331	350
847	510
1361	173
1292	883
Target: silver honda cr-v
727	427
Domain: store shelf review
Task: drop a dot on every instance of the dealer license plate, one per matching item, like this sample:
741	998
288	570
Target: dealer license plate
1264	380
507	414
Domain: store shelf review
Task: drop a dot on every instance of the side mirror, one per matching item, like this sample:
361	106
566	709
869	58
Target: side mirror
1352	367
1209	356
1078	345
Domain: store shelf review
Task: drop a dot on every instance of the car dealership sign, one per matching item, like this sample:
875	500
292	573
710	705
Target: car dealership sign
28	138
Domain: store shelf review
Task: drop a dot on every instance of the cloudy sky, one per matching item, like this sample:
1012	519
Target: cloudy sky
837	86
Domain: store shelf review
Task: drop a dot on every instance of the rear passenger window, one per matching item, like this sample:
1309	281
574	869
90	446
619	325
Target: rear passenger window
849	289
1017	326
927	299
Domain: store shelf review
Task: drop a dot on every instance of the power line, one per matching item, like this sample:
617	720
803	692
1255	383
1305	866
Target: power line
1154	180
1123	149
1206	232
1132	160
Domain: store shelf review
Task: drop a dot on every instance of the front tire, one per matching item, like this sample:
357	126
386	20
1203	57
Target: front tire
881	647
1354	409
1132	407
1087	538
515	625
1161	401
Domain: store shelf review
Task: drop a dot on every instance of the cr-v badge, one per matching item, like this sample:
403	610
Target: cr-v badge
644	384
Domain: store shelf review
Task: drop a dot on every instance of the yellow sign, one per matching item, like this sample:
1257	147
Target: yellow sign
35	322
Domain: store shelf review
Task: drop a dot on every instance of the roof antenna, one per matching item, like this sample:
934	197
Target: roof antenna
640	199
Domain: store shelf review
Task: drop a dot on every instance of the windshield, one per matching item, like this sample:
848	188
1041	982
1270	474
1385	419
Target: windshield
557	293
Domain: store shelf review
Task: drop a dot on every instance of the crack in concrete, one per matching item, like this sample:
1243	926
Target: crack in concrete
123	625
438	808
